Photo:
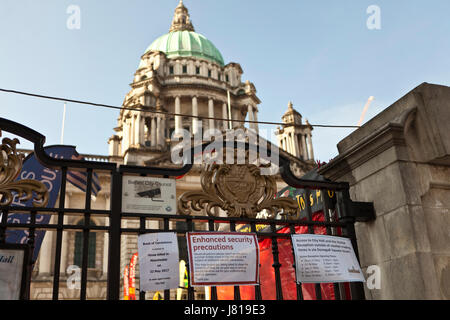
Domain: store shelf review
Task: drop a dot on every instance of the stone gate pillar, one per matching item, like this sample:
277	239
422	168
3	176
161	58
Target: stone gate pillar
400	161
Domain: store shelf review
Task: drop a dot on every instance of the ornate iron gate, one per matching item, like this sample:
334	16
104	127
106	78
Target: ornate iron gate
346	213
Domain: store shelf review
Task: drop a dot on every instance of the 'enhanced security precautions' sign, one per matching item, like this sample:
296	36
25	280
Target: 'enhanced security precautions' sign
221	258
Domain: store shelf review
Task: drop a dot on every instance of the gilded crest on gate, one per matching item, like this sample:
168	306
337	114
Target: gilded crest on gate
10	167
238	189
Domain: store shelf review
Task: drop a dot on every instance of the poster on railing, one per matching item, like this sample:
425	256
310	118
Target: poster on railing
321	258
11	269
148	195
223	258
158	261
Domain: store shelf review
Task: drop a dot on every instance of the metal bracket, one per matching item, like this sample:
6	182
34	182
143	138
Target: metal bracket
362	211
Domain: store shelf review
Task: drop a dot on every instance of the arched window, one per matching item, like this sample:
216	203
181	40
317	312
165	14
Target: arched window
78	257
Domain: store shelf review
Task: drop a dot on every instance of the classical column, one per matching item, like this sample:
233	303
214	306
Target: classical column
195	114
310	147
225	115
125	135
211	113
137	131
159	133
235	114
132	133
153	132
291	141
45	253
286	145
250	117
296	146
255	117
64	242
305	152
178	124
163	131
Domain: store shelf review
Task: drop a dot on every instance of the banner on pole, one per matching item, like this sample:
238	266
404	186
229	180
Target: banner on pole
132	281
33	169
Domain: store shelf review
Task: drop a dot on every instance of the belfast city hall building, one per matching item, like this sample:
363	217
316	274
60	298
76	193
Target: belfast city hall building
182	84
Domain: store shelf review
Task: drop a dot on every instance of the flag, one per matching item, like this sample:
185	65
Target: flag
33	169
79	178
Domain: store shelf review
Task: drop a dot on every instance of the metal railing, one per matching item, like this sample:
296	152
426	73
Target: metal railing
339	221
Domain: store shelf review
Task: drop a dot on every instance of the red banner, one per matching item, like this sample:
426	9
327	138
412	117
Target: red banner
132	278
126	287
287	271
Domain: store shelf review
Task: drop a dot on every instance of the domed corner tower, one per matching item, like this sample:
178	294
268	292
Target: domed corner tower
295	137
182	73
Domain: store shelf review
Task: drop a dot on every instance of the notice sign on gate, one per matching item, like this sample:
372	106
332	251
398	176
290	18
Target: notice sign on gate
148	195
321	258
158	261
223	258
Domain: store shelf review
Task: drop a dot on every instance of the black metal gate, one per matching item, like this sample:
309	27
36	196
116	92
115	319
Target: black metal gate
346	213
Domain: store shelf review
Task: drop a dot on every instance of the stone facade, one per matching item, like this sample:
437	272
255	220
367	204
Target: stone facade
400	161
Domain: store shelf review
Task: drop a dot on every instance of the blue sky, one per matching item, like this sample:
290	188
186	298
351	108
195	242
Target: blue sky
318	54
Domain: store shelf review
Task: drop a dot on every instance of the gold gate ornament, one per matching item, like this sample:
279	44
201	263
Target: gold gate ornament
10	166
238	189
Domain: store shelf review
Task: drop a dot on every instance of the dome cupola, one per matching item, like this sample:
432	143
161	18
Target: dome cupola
183	41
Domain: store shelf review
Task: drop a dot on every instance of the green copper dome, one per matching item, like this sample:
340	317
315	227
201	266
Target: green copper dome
186	43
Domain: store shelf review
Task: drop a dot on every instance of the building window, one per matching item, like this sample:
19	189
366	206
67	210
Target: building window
78	256
184	69
227	79
219	76
209	73
170	69
197	70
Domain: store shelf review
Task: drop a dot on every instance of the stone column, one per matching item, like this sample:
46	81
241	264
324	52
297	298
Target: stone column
163	131
255	117
225	115
125	135
310	147
158	130
45	253
292	143
65	240
305	152
296	145
178	119
250	117
137	132
195	114
132	130
235	116
153	133
211	113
